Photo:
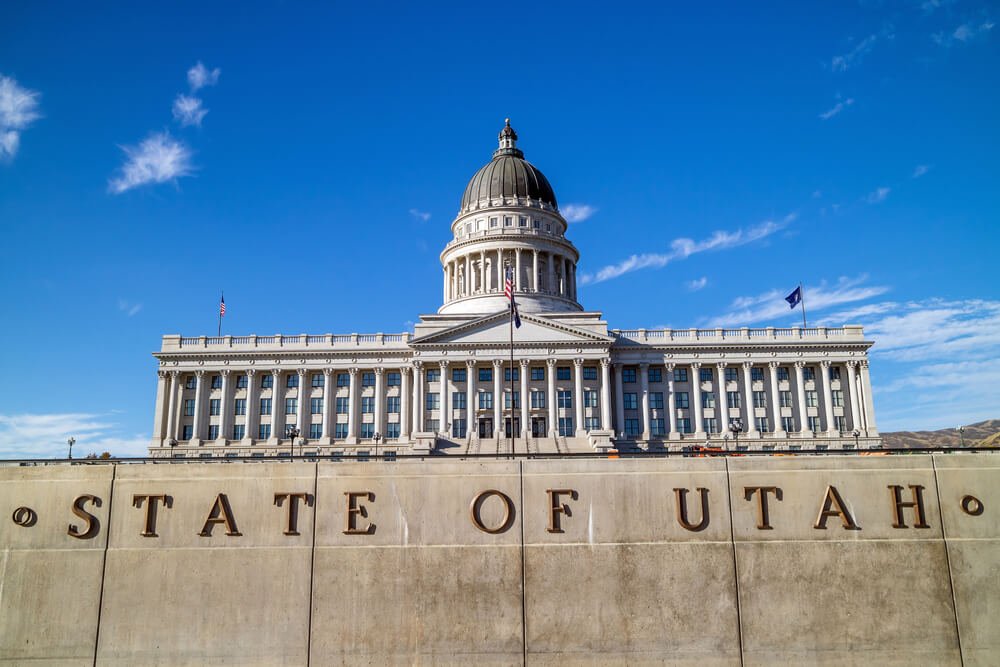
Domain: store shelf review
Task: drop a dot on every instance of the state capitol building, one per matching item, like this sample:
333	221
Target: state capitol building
574	386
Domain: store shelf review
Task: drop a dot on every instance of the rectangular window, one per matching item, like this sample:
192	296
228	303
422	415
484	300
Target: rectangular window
628	375
458	375
186	432
808	373
291	406
684	425
263	431
592	423
315	406
433	375
837	396
786	399
188	407
656	375
213	431
458	400
494	222
486	375
590	398
392	405
240	406
506	374
814	424
343	380
292	380
241	381
566	426
458	428
508	221
564	373
367	430
342	405
239	431
564	399
840	423
266	381
682	399
538	373
190	382
368	379
811	399
705	374
214	406
517	399
590	372
265	406
680	375
760	399
757	374
711	425
393	378
340	431
630	401
762	424
538	399
433	401
656	400
787	424
216	382
315	431
522	221
367	405
392	431
656	427
834	372
631	427
433	425
318	380
732	374
486	400
733	399
708	400
782	373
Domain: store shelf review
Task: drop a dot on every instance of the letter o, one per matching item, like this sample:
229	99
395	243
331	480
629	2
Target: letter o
972	506
508	515
24	516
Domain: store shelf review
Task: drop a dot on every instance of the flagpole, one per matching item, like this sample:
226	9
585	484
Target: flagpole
222	299
511	323
802	301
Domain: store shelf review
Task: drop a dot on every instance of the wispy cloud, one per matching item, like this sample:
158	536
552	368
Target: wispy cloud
878	196
771	306
18	110
966	32
423	216
683	248
129	308
188	110
920	170
200	76
577	212
844	62
158	159
697	284
45	436
837	108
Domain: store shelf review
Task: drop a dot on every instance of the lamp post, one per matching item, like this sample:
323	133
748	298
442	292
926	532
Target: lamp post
961	434
71	442
291	432
736	427
856	435
376	438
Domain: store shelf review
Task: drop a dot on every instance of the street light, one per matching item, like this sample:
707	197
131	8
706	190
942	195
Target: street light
291	433
71	442
736	427
856	434
961	434
376	438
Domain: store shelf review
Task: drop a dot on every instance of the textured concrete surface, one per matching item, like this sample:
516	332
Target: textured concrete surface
572	562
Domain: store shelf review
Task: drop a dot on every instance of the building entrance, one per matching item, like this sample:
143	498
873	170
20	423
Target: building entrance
485	427
538	427
517	427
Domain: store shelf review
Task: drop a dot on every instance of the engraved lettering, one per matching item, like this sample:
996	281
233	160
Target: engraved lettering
682	513
151	510
354	510
292	523
556	507
221	512
763	516
898	505
93	526
24	517
972	506
476	506
832	498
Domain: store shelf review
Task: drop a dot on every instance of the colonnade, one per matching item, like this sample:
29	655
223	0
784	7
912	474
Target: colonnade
535	270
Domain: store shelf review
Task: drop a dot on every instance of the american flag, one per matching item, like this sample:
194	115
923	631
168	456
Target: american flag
222	306
508	286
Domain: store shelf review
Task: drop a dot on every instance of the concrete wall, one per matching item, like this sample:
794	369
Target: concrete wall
406	577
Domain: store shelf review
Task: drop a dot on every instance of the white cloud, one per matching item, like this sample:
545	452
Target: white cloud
697	284
158	159
844	62
577	212
836	109
771	306
18	110
45	436
130	309
683	248
878	196
188	110
920	170
423	216
200	76
966	32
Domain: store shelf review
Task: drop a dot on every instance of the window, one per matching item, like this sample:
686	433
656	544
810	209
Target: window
216	382
315	406
757	374
186	432
564	399
340	431
656	427
318	380
485	400
538	373
840	423
680	375
517	399
684	425
393	378
711	425
592	423
563	373
538	399
682	399
808	373
392	405
265	406
367	430
708	400
631	428
266	381
214	406
786	399
315	431
506	374
188	407
291	406
732	374
522	222
190	382
782	374
762	424
656	375
367	405
814	424
342	405
292	381
239	431
368	379
343	380
630	401
508	221
241	381
787	424
458	400
213	431
534	222
433	401
433	425
263	431
590	398
733	399
760	399
590	372
628	375
494	222
458	375
433	375
838	398
240	406
656	400
811	399
705	374
486	375
834	372
392	431
458	428
566	426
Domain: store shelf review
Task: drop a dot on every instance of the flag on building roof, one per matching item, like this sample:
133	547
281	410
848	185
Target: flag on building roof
222	305
508	291
795	298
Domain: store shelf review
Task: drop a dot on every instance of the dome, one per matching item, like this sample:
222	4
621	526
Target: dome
507	175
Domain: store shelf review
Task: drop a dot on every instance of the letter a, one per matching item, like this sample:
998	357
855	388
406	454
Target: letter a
832	498
221	512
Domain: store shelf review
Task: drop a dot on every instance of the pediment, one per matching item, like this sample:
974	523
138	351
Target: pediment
495	329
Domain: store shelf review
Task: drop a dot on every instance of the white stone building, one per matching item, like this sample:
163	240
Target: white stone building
575	386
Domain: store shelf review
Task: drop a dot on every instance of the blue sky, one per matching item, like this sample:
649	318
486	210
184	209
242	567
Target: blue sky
712	156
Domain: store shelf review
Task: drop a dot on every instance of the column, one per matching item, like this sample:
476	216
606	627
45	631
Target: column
468	284
852	386
277	408
517	270
162	398
500	269
565	285
644	400
404	404
800	387
606	395
328	401
418	397
534	271
572	280
303	416
723	401
171	433
550	376
578	397
671	400
380	401
199	409
866	385
750	428
525	403
443	424
619	427
444	270
778	429
226	407
827	399
352	407
470	397
498	397
699	425
482	272
550	267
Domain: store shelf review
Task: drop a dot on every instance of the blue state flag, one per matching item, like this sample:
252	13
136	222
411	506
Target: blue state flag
517	317
795	298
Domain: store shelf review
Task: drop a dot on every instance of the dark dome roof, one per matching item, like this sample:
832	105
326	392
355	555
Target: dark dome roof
507	175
